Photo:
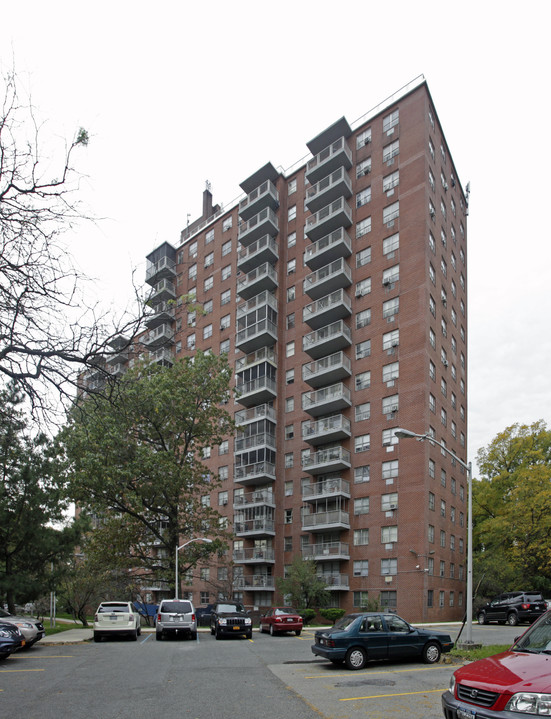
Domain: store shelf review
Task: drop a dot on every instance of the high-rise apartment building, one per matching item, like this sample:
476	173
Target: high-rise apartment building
338	291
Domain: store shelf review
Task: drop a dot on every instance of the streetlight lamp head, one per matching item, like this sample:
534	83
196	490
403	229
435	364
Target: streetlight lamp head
404	433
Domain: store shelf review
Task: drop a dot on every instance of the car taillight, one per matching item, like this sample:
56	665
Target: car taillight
96	618
193	617
330	642
278	619
158	617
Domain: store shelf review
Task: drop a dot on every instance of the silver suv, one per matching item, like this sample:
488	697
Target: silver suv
176	616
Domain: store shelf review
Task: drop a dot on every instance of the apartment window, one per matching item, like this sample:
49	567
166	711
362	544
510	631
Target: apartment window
391	275
227	224
290	293
389	501
291	266
209	259
430	534
222	498
363	287
363	380
390	469
391	372
391	307
226	272
431	502
432	306
290	321
361	568
224	347
432	468
223	473
289	460
389	566
363	257
287	544
289	431
226	248
389	437
444	327
361	505
190	342
209	237
225	297
363	227
391	213
362	443
391	151
208	283
391	181
390	404
291	239
432	274
224	447
207	307
391	244
207	332
362	411
363	349
452	542
431	149
290	348
291	213
363	197
442	507
288	517
289	376
432	403
441	599
192	272
361	537
225	322
442	538
364	138
292	187
391	120
206	452
204	574
432	243
442	568
363	318
289	404
192	251
191	319
430	598
391	340
363	168
431	180
432	338
361	474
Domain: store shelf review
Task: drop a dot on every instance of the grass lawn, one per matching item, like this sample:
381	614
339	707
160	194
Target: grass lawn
484	651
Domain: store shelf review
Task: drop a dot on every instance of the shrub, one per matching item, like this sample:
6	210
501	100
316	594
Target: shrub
307	615
332	613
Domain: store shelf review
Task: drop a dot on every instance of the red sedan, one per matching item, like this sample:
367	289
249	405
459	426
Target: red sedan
281	619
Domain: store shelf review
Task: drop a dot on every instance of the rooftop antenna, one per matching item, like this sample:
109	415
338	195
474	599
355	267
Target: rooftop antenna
208	185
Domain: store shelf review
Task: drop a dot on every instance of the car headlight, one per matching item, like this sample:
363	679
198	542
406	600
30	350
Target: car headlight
248	621
452	684
530	703
222	621
25	625
4	633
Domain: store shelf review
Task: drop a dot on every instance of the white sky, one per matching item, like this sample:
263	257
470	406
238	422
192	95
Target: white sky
175	93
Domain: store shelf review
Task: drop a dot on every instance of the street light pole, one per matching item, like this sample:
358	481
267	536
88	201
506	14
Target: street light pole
407	434
195	539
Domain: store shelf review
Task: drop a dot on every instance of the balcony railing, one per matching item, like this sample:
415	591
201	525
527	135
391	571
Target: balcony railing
265	195
331	217
328	429
259	300
332	487
320	521
336	366
337	184
164	268
265	222
323	461
254	556
263	439
258	582
335	336
253	414
256	391
327	279
163	291
328	248
330	308
262	250
254	473
335	582
258	497
326	550
257	280
335	155
264	354
261	334
161	335
326	399
253	526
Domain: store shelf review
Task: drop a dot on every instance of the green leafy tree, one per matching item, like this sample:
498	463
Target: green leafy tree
34	545
512	510
136	465
303	586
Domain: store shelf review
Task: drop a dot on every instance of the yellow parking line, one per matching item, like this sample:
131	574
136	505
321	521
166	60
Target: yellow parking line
8	671
388	671
384	696
38	656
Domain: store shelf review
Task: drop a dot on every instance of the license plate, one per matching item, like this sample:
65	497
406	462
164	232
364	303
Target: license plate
236	628
113	617
463	713
289	619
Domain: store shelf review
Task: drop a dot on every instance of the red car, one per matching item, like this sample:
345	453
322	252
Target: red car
281	619
506	685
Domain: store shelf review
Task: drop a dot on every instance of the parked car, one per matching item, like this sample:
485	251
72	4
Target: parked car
116	618
513	608
230	618
505	685
11	639
281	619
31	628
203	615
176	616
357	638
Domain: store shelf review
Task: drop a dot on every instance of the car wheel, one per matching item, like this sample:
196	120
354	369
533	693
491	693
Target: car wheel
249	635
272	630
261	628
134	636
158	636
194	636
431	653
97	637
4	655
211	630
218	634
482	618
297	632
356	658
139	631
512	619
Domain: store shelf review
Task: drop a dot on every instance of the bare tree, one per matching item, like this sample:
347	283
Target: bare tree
48	335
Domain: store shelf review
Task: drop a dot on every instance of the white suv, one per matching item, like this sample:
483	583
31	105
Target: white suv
175	616
114	618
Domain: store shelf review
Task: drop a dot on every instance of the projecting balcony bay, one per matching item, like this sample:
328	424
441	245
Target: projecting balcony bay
262	250
162	312
265	222
264	354
327	279
335	185
329	218
163	291
326	400
328	248
328	429
322	489
161	335
261	334
334	459
252	555
249	527
261	278
321	521
327	370
163	269
335	336
265	195
254	473
255	441
335	582
257	391
338	154
257	498
161	356
253	414
262	298
257	582
330	308
326	551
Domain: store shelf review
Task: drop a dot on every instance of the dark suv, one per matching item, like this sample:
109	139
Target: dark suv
513	607
230	618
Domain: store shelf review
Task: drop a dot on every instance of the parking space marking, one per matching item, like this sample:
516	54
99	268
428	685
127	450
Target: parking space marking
11	671
386	696
46	656
386	671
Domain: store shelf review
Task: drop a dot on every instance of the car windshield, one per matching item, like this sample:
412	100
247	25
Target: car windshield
113	608
284	610
231	608
537	638
345	623
175	608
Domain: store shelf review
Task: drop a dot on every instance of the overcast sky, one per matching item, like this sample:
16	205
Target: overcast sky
174	95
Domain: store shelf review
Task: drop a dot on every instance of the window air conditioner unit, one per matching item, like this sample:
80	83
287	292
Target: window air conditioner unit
393	506
386	281
432	214
359	293
395	343
445	363
394	408
367	141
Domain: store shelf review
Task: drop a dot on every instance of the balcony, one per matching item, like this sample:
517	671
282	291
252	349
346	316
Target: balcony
322	521
327	279
162	312
330	247
255	441
162	356
118	369
327	370
330	308
338	154
328	429
329	218
260	497
265	222
332	186
261	526
164	268
254	414
334	459
263	196
256	582
261	278
335	582
254	473
262	250
331	337
261	334
256	391
333	487
162	292
264	354
160	336
326	400
326	551
263	298
252	555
